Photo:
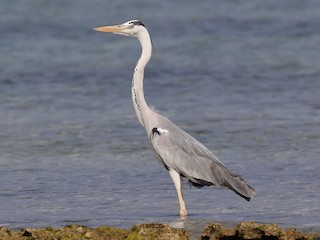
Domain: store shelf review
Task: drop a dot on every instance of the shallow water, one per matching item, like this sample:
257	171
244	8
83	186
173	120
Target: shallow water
243	78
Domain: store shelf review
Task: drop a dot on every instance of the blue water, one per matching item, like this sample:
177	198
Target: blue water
242	77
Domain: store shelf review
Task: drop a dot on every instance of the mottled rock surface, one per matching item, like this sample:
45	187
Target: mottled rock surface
157	231
252	231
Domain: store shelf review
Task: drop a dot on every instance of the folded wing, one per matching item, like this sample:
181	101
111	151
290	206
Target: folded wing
177	150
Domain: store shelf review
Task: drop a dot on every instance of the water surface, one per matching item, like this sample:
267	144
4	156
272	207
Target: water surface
243	78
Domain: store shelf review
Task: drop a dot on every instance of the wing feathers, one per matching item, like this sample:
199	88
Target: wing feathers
178	150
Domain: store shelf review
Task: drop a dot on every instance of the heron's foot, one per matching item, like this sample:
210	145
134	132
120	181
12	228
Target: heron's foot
183	213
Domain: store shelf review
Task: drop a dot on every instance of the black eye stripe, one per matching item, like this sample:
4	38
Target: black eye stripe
137	23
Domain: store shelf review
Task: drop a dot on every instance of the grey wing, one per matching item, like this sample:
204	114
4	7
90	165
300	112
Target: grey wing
178	150
181	152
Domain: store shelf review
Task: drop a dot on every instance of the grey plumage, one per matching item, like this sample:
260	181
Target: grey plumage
176	150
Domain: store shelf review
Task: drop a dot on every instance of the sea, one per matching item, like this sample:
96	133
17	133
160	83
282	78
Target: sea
242	77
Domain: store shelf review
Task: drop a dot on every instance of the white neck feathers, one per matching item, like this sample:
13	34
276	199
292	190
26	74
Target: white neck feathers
140	106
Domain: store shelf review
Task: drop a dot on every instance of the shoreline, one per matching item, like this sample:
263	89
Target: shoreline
244	230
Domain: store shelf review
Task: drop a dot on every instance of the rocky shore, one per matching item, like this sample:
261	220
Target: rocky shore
215	231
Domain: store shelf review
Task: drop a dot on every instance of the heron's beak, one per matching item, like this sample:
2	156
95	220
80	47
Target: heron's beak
113	29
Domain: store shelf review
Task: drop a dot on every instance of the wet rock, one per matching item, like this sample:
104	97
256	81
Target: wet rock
250	230
253	231
72	233
4	232
216	231
143	231
157	231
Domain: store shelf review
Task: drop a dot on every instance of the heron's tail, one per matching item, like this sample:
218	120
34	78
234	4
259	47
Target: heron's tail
239	186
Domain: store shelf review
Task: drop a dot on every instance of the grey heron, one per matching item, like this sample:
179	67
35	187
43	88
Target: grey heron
181	154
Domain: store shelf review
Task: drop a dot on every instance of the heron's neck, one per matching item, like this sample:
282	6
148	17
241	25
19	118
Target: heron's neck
140	106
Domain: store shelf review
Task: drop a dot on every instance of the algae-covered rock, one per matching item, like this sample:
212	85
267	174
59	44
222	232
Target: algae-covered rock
217	231
293	234
156	231
4	232
79	232
250	230
253	231
152	231
66	233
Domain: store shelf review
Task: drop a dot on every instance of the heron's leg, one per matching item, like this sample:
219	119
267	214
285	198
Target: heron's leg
177	180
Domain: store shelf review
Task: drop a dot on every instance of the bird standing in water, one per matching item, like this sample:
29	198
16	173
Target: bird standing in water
180	153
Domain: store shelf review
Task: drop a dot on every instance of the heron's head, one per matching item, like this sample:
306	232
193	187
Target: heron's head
130	28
